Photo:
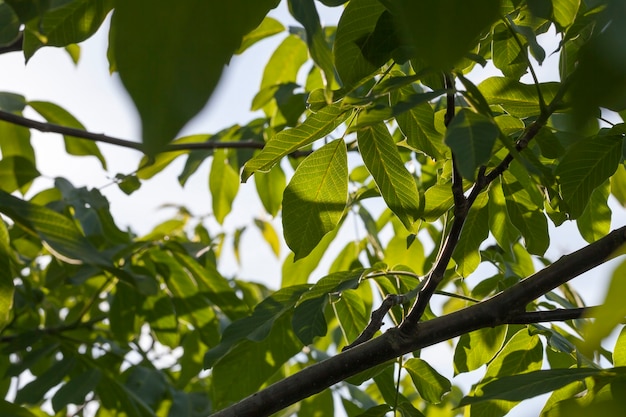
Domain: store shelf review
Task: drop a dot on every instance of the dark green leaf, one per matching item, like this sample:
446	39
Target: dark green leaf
528	385
471	137
315	198
17	173
34	391
9	25
170	74
7	287
76	389
595	222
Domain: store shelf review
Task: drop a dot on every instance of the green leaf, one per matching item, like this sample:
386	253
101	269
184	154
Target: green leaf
527	217
223	183
595	222
587	164
396	184
285	62
357	51
269	234
564	12
619	353
17	173
170	74
270	187
528	385
499	223
57	231
305	12
258	325
471	137
268	27
308	317
618	184
519	100
267	356
475	230
418	125
438	200
72	23
298	272
34	391
9	25
7	287
607	315
315	198
76	389
507	55
11	102
8	409
477	348
431	385
74	146
351	312
442	32
318	405
521	354
316	126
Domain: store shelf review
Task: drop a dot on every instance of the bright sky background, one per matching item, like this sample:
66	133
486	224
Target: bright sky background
97	99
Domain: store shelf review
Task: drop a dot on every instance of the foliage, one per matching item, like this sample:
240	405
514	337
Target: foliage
443	177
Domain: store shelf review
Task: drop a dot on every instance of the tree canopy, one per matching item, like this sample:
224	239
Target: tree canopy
456	189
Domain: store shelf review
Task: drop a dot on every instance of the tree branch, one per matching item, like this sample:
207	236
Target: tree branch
504	308
561	314
97	137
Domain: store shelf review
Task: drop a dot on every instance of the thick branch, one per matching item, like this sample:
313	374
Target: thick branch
531	317
506	307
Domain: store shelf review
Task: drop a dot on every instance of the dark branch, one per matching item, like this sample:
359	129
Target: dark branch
96	137
501	309
531	317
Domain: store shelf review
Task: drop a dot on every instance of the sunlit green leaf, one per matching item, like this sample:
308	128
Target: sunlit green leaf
395	183
507	54
17	173
269	234
72	23
431	385
270	187
268	27
315	198
475	231
223	183
477	348
565	12
619	353
7	287
519	100
316	126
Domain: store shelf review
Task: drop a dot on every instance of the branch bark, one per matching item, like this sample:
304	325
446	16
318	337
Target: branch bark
505	308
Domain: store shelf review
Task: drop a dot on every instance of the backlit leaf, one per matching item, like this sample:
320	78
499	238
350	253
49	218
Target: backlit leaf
223	183
7	288
586	165
475	231
519	100
270	187
471	137
395	183
477	348
595	222
268	27
314	127
431	385
315	198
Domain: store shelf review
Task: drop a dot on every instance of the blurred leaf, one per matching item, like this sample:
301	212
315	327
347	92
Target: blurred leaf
565	11
17	173
34	391
431	385
76	389
170	74
442	32
270	187
7	287
285	62
619	353
269	234
316	126
396	184
315	198
507	54
298	272
11	410
74	146
607	315
9	25
357	50
268	27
